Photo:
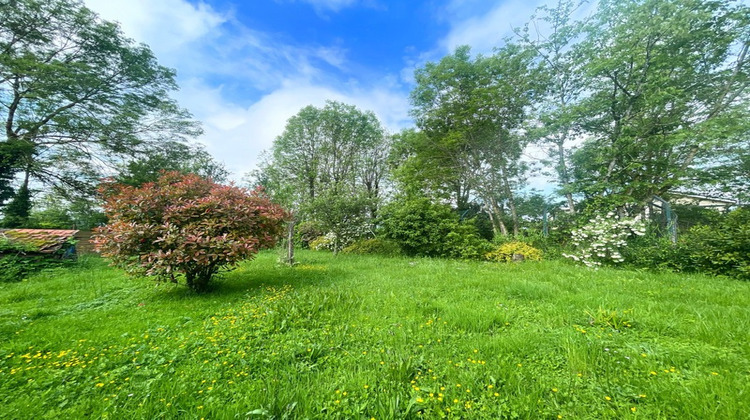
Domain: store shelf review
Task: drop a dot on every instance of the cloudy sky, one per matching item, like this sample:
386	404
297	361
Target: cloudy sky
245	67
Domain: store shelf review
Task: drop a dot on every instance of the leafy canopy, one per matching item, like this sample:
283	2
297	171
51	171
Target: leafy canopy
76	94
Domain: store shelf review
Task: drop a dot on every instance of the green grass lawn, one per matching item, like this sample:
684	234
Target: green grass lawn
357	337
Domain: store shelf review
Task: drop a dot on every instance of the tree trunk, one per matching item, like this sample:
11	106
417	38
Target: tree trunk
564	175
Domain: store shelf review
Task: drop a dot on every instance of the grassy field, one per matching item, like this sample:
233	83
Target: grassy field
355	337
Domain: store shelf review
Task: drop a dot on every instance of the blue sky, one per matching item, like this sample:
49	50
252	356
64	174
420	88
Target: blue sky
245	67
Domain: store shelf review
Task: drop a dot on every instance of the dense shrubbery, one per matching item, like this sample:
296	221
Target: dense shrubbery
513	251
17	262
185	225
307	232
343	217
377	246
722	248
423	228
465	243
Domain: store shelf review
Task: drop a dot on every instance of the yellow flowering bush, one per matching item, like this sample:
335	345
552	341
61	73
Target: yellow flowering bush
506	251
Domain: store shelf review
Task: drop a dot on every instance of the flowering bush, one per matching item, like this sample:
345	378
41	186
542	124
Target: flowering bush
185	225
325	242
507	251
603	239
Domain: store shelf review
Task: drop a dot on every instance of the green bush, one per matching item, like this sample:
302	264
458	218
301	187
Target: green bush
18	266
465	243
722	248
423	228
307	232
655	251
509	250
377	246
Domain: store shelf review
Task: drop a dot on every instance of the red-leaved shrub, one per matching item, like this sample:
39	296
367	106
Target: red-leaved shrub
185	225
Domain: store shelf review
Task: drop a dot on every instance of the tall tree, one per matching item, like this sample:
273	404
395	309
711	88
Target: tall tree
469	109
328	165
337	147
77	94
667	84
552	35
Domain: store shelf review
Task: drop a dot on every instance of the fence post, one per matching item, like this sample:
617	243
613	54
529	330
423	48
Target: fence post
290	243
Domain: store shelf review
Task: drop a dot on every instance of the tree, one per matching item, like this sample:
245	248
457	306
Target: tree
326	160
52	211
185	225
468	109
172	156
667	84
18	209
77	94
553	125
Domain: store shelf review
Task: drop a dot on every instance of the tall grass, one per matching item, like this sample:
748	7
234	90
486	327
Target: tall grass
372	337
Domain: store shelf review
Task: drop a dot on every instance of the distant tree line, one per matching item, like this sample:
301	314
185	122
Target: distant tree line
640	98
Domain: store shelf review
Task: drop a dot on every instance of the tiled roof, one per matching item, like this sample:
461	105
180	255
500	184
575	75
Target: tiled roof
40	240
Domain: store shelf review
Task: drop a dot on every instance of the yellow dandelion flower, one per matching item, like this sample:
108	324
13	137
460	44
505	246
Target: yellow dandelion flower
608	398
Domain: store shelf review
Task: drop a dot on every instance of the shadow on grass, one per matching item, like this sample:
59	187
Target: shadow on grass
251	279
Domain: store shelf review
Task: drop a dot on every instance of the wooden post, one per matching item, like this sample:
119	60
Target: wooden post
290	243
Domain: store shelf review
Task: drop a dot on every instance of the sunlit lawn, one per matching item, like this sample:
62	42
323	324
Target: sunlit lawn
370	337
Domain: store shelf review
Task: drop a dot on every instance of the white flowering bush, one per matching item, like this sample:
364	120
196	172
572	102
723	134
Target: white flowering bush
602	240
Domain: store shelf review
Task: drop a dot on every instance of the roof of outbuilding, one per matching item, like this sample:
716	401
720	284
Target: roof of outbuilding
39	240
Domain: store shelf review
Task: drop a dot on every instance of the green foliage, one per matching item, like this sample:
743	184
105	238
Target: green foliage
418	225
308	231
184	158
375	246
344	215
464	242
655	251
337	149
423	228
514	251
665	83
55	212
689	216
185	225
17	267
18	262
467	108
18	209
615	319
78	95
722	248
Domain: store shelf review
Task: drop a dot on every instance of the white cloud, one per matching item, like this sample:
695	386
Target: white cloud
217	57
486	31
164	25
333	5
238	134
